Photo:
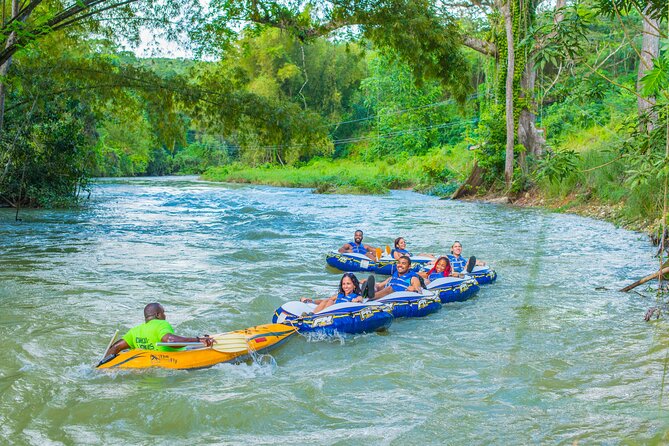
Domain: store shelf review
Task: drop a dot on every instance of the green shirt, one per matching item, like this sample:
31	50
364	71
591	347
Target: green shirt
146	335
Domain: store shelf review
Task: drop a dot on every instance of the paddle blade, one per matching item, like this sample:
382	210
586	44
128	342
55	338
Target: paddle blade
378	253
230	342
387	249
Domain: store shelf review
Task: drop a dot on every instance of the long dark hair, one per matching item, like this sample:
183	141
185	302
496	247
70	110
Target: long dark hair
397	240
447	270
356	283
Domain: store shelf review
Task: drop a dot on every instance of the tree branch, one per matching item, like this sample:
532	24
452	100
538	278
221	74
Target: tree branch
482	46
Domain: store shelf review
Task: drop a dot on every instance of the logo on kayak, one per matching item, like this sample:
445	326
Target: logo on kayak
364	264
163	358
322	321
422	303
366	313
389	307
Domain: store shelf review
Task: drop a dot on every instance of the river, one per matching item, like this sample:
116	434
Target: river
551	353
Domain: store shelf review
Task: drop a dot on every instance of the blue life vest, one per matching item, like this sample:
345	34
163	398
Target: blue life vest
341	297
401	283
403	252
358	249
435	275
457	263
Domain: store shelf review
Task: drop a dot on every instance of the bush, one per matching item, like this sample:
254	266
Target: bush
49	158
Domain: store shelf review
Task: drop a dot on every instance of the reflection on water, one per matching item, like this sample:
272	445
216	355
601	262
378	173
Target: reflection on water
551	353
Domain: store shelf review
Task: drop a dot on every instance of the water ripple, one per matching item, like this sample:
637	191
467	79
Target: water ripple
549	354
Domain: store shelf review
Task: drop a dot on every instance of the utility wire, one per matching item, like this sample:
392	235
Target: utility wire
397	112
362	138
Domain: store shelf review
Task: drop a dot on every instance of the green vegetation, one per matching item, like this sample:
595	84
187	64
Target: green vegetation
549	100
434	172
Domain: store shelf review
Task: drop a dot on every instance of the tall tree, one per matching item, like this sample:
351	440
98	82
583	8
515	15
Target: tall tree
515	45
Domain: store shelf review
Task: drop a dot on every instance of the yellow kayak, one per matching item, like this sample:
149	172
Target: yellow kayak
233	346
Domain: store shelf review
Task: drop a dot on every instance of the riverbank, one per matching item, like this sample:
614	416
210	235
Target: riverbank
435	173
594	186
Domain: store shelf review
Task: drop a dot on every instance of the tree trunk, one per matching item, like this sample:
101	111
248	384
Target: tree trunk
5	67
473	182
650	49
528	135
510	67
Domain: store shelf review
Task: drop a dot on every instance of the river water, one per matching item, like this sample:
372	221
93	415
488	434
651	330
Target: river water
550	353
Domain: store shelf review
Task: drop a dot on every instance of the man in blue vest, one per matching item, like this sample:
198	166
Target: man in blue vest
357	247
401	280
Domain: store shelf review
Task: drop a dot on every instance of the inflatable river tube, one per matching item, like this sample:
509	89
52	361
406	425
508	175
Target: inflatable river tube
483	274
353	262
454	289
410	304
257	339
346	317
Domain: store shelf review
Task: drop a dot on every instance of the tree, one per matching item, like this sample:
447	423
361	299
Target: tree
651	14
515	43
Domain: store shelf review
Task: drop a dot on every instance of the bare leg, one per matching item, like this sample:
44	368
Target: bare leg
324	304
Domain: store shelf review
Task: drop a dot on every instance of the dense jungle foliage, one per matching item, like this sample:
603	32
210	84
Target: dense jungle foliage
565	98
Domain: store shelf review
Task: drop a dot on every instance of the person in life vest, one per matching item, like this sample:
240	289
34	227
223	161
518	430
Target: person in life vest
155	329
356	246
349	291
459	263
442	268
401	280
401	250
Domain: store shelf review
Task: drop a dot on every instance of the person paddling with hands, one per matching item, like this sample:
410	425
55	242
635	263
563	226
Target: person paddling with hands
459	263
349	291
357	247
402	280
155	329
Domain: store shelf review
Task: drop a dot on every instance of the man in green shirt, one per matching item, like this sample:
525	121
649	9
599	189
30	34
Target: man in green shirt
155	329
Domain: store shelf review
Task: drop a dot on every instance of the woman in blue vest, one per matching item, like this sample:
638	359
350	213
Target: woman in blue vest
401	250
442	268
349	291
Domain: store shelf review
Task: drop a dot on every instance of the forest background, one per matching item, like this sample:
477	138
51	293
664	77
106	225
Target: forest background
563	100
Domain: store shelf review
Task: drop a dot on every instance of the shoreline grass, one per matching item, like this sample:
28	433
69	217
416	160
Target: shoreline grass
428	174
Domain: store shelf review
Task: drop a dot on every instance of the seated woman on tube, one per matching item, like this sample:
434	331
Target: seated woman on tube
442	268
401	250
349	291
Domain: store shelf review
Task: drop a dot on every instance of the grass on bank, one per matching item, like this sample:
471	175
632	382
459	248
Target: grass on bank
437	172
600	179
